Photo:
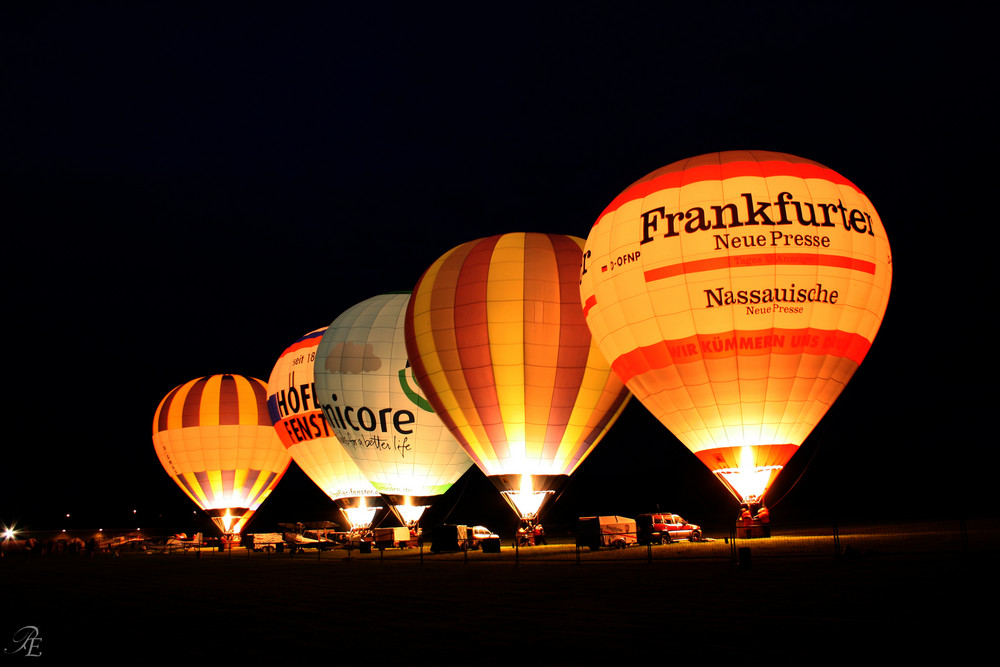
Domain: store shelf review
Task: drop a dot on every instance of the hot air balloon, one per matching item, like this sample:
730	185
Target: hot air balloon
378	411
215	439
497	340
298	419
736	293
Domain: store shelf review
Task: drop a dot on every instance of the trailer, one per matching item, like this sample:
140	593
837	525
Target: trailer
449	537
264	541
617	532
396	536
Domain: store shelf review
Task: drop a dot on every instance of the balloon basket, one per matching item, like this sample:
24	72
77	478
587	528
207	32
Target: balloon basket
752	532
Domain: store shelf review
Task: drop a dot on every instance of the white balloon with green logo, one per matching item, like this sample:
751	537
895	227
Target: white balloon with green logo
372	402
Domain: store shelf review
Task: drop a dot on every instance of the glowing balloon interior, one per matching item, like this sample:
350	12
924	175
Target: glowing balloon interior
298	419
497	339
736	294
215	439
376	408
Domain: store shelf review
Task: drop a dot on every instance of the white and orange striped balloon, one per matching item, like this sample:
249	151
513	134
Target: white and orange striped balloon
298	418
735	294
214	437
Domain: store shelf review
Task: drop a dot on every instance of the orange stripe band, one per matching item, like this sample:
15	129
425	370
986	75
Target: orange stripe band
676	176
698	347
760	259
310	340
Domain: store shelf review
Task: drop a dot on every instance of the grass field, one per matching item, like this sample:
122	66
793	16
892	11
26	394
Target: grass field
491	609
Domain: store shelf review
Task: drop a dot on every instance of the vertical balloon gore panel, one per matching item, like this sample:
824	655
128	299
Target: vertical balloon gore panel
736	294
214	437
497	340
302	427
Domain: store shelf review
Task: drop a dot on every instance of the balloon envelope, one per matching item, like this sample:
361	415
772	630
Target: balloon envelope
214	437
735	294
497	339
301	427
378	411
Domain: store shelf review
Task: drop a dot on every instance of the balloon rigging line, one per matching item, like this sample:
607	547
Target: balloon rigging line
801	473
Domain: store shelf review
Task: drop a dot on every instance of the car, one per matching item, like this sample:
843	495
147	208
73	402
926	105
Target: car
664	528
479	533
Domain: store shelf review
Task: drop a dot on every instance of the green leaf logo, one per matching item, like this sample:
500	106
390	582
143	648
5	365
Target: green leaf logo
417	399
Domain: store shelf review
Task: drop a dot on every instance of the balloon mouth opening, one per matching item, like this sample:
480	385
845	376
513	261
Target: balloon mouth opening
359	512
231	520
527	494
748	483
526	505
748	470
408	509
409	515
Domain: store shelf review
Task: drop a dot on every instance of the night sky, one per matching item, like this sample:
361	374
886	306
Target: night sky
188	190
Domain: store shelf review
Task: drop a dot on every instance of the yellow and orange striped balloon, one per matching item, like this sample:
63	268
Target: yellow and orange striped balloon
735	294
215	438
498	342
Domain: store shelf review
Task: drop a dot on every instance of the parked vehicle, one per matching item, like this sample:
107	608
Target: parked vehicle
447	537
617	532
179	542
263	541
664	528
314	535
479	533
396	536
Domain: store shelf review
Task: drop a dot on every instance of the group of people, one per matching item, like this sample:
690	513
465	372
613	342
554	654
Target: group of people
70	546
748	519
530	534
